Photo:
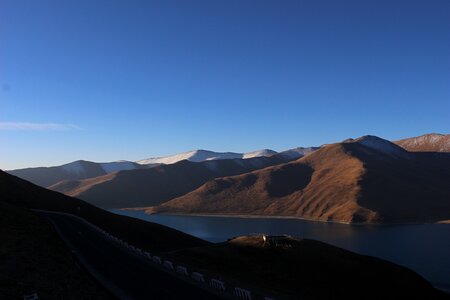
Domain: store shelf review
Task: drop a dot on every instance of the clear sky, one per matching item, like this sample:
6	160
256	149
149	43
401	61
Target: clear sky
109	80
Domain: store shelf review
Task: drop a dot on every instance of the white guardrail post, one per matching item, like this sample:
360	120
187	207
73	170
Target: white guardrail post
157	260
31	297
242	293
168	264
182	270
217	284
198	277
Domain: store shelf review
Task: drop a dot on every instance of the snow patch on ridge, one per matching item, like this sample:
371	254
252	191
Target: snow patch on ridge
259	153
204	155
381	145
298	152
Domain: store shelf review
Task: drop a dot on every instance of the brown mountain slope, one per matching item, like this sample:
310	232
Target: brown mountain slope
433	142
146	235
137	188
363	180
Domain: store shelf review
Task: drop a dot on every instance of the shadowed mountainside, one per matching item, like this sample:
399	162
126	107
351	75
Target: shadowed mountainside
146	187
79	169
364	180
433	142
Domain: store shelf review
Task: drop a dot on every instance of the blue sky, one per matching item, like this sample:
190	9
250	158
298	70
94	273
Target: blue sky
109	80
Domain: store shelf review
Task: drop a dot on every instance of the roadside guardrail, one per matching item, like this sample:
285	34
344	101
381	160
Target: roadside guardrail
198	277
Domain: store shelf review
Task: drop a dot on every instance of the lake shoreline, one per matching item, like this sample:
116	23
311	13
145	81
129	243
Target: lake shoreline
442	222
367	239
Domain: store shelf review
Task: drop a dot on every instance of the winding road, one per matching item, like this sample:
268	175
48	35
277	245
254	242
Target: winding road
126	275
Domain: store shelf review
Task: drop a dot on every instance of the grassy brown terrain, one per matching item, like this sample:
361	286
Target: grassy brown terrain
364	180
309	270
33	259
433	142
146	187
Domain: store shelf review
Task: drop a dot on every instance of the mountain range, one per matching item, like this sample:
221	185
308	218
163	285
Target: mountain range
363	180
368	179
152	186
203	155
81	169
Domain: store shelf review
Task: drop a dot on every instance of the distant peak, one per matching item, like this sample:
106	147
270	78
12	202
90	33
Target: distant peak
371	138
262	152
75	167
80	161
378	144
199	151
433	134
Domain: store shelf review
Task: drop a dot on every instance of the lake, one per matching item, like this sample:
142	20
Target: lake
424	248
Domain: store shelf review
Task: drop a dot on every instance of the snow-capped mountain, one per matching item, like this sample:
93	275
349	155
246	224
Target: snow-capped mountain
204	155
258	153
150	186
380	145
79	169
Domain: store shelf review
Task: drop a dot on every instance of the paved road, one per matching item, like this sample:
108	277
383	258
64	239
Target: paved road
129	276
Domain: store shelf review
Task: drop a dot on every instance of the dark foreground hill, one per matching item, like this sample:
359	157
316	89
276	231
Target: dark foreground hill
308	269
21	193
364	180
33	259
146	187
304	269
